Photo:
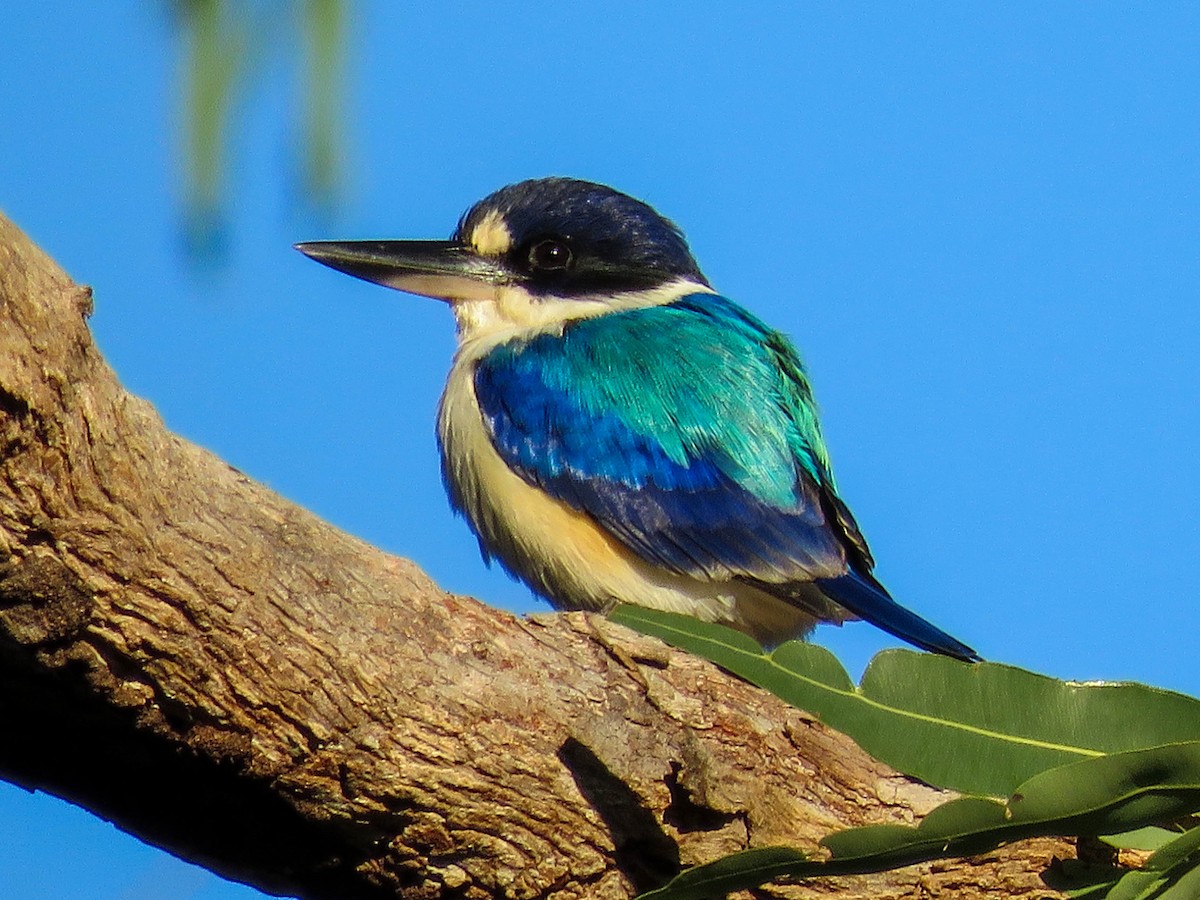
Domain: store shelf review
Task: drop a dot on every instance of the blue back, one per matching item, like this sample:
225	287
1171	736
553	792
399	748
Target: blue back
687	430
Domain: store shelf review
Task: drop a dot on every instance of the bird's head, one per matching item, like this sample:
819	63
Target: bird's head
532	256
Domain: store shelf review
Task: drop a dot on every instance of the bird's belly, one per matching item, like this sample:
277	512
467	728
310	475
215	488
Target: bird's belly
564	554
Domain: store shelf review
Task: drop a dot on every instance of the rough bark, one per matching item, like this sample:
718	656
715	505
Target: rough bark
224	675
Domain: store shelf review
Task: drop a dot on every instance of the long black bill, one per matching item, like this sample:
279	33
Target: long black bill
442	269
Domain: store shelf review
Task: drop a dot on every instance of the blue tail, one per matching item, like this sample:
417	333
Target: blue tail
870	602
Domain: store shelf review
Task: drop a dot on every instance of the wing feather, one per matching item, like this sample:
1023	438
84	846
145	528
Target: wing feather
693	445
688	431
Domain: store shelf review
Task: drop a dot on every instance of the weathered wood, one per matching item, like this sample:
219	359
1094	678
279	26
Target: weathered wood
224	675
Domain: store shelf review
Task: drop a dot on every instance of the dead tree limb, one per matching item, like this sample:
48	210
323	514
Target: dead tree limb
224	675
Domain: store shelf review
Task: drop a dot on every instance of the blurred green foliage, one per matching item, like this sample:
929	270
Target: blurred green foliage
226	44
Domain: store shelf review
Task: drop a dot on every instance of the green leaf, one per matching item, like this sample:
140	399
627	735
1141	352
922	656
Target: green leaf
1186	887
685	631
1136	885
1113	793
1129	789
1116	792
1176	852
1080	879
980	728
961	827
1173	872
1149	838
738	871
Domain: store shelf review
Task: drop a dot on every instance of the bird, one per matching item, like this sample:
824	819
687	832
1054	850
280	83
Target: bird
615	431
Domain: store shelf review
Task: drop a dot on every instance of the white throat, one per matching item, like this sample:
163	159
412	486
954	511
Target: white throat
511	312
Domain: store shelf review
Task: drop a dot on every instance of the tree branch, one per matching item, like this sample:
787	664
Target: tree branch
226	676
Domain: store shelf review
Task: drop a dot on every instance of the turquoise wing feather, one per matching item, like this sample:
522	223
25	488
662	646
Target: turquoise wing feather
687	430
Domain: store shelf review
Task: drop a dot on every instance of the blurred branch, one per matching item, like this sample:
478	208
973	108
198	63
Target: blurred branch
325	32
215	59
225	45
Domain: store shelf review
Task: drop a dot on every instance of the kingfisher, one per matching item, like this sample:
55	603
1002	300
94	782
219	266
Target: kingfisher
615	431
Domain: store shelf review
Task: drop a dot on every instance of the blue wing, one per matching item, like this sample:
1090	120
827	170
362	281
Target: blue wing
697	446
678	449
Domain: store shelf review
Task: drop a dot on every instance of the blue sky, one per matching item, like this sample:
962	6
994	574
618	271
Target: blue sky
980	224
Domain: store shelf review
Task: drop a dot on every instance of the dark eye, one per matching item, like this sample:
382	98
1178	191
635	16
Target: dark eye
549	255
